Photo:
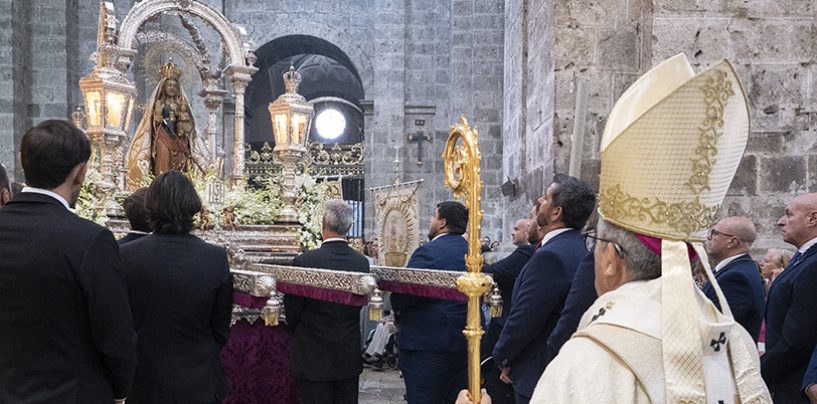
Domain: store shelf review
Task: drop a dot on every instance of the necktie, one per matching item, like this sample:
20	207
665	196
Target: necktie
794	259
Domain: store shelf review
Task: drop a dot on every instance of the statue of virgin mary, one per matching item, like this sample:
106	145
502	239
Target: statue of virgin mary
166	138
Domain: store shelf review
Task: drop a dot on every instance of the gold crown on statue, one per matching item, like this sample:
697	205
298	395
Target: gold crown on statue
671	146
170	70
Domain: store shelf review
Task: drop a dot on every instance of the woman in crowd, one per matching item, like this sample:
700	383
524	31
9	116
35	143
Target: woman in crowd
772	265
180	292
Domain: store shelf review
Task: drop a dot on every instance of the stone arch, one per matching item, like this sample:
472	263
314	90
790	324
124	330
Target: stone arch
145	10
239	68
328	73
345	42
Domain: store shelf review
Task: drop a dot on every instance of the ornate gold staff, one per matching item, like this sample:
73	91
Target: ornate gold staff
462	176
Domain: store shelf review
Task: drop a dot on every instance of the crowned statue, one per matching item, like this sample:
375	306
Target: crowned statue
166	138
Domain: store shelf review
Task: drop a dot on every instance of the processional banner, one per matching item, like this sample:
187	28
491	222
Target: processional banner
397	211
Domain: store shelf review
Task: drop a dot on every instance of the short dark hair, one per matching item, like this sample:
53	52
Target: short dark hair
455	215
575	197
135	210
4	179
171	202
50	151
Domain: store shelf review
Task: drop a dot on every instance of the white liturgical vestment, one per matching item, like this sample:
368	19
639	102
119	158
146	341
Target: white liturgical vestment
615	356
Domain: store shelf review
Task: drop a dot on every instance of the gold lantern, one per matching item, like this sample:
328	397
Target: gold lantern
291	119
109	99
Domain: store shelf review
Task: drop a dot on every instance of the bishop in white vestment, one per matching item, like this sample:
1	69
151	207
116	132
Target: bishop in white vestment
669	151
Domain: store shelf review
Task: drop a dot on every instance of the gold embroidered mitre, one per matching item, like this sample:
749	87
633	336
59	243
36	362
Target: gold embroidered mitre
170	70
670	148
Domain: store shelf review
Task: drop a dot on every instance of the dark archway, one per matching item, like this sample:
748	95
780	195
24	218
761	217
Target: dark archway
329	81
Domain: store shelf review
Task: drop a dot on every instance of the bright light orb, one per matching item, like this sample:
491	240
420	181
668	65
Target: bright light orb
330	123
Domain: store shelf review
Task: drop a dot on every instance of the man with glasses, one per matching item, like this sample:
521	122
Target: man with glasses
736	272
542	285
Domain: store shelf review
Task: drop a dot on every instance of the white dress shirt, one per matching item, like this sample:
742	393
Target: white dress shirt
41	191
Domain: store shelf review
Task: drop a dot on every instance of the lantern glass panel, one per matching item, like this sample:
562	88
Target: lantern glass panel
281	128
93	104
116	109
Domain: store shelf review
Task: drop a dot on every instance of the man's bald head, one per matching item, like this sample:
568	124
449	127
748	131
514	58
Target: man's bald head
799	223
741	227
731	236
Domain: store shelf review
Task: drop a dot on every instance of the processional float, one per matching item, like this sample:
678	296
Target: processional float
258	253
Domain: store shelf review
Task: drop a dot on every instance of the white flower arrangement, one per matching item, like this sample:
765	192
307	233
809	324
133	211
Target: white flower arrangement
91	200
259	204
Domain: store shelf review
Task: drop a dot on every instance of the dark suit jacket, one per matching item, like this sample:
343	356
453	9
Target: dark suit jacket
505	272
538	298
130	237
811	372
427	324
581	296
66	334
327	335
180	291
791	328
743	289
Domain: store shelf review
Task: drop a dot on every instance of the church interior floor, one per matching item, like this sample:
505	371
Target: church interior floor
381	387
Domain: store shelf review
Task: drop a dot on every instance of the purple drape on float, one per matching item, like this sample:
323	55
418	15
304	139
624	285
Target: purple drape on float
422	290
256	360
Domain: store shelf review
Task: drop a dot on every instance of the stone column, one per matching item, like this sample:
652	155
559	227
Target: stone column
240	77
213	99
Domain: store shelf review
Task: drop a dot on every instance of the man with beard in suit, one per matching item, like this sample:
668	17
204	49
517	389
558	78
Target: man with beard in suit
542	286
791	326
737	273
326	361
66	333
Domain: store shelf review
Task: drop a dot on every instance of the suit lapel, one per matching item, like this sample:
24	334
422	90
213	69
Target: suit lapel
733	264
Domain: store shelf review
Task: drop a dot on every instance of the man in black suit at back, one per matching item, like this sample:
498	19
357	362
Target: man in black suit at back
326	360
505	272
66	334
137	215
791	325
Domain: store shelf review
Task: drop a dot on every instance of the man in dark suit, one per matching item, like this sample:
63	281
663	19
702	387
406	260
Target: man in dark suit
543	284
137	215
736	272
791	323
581	296
326	360
5	186
505	272
66	334
433	349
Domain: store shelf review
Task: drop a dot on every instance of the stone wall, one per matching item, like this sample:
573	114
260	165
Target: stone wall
528	148
7	100
512	67
772	46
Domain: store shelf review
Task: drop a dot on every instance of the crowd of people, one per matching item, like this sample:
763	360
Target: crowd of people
90	319
596	309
